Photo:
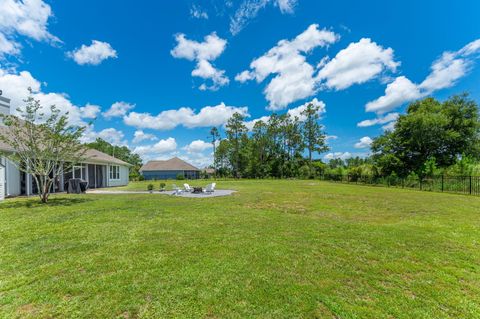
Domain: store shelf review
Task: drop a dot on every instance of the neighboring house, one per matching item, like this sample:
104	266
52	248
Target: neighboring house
98	169
209	172
169	169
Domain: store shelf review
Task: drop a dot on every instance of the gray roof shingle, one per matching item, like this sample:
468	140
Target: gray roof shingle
173	164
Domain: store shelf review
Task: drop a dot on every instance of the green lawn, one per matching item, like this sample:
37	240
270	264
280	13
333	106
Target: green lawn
276	249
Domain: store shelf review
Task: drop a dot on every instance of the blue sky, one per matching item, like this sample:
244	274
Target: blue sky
156	75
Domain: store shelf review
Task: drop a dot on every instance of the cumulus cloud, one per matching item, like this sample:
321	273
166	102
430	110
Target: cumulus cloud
140	136
90	111
93	54
28	18
250	124
161	147
118	109
112	136
294	77
166	120
297	112
249	9
388	118
15	86
364	142
197	146
398	92
336	155
203	53
359	62
445	72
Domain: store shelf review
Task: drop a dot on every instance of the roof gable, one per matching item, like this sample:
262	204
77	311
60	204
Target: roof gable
173	164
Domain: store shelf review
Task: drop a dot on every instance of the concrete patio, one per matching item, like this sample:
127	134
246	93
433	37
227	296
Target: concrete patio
217	193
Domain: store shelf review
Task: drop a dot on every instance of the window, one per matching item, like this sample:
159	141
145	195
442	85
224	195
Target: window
114	172
77	171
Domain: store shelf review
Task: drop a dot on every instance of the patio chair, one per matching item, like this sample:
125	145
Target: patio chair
176	190
188	188
210	188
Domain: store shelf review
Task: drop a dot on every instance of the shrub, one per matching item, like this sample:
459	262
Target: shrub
180	177
141	178
162	186
150	187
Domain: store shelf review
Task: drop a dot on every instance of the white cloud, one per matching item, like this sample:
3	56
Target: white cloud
249	9
140	136
27	18
167	120
203	53
15	86
390	126
331	137
205	70
112	136
197	146
359	62
118	109
297	112
445	72
198	13
90	111
388	118
159	148
294	112
8	47
335	155
364	142
93	54
294	78
401	90
250	124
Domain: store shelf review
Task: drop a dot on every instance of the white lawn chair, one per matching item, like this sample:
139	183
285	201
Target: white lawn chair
188	188
210	188
177	190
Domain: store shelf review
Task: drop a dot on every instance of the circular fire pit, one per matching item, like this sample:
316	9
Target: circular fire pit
197	190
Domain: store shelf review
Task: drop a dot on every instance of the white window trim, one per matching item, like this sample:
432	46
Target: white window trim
111	174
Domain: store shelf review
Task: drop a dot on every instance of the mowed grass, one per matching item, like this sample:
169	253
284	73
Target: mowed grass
275	249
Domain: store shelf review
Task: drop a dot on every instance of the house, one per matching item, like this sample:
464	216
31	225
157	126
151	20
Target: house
208	172
169	169
98	169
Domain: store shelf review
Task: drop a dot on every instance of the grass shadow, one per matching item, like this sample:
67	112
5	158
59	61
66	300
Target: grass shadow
53	202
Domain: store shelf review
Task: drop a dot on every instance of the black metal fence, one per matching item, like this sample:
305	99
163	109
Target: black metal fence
469	185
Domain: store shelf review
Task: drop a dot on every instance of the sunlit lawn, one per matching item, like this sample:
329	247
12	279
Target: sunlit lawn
275	249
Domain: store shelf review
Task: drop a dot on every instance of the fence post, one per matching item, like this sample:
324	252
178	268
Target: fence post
442	183
421	183
470	185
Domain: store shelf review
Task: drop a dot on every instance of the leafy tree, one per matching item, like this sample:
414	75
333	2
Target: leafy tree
42	145
313	135
121	152
430	129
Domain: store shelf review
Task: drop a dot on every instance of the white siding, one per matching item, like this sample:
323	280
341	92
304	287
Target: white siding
13	179
2	183
124	172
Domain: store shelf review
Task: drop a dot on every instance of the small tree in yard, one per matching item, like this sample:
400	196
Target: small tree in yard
42	145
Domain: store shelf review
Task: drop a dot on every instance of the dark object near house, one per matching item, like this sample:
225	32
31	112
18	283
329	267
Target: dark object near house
197	190
76	186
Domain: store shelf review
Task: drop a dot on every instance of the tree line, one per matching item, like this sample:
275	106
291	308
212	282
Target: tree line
281	147
431	138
